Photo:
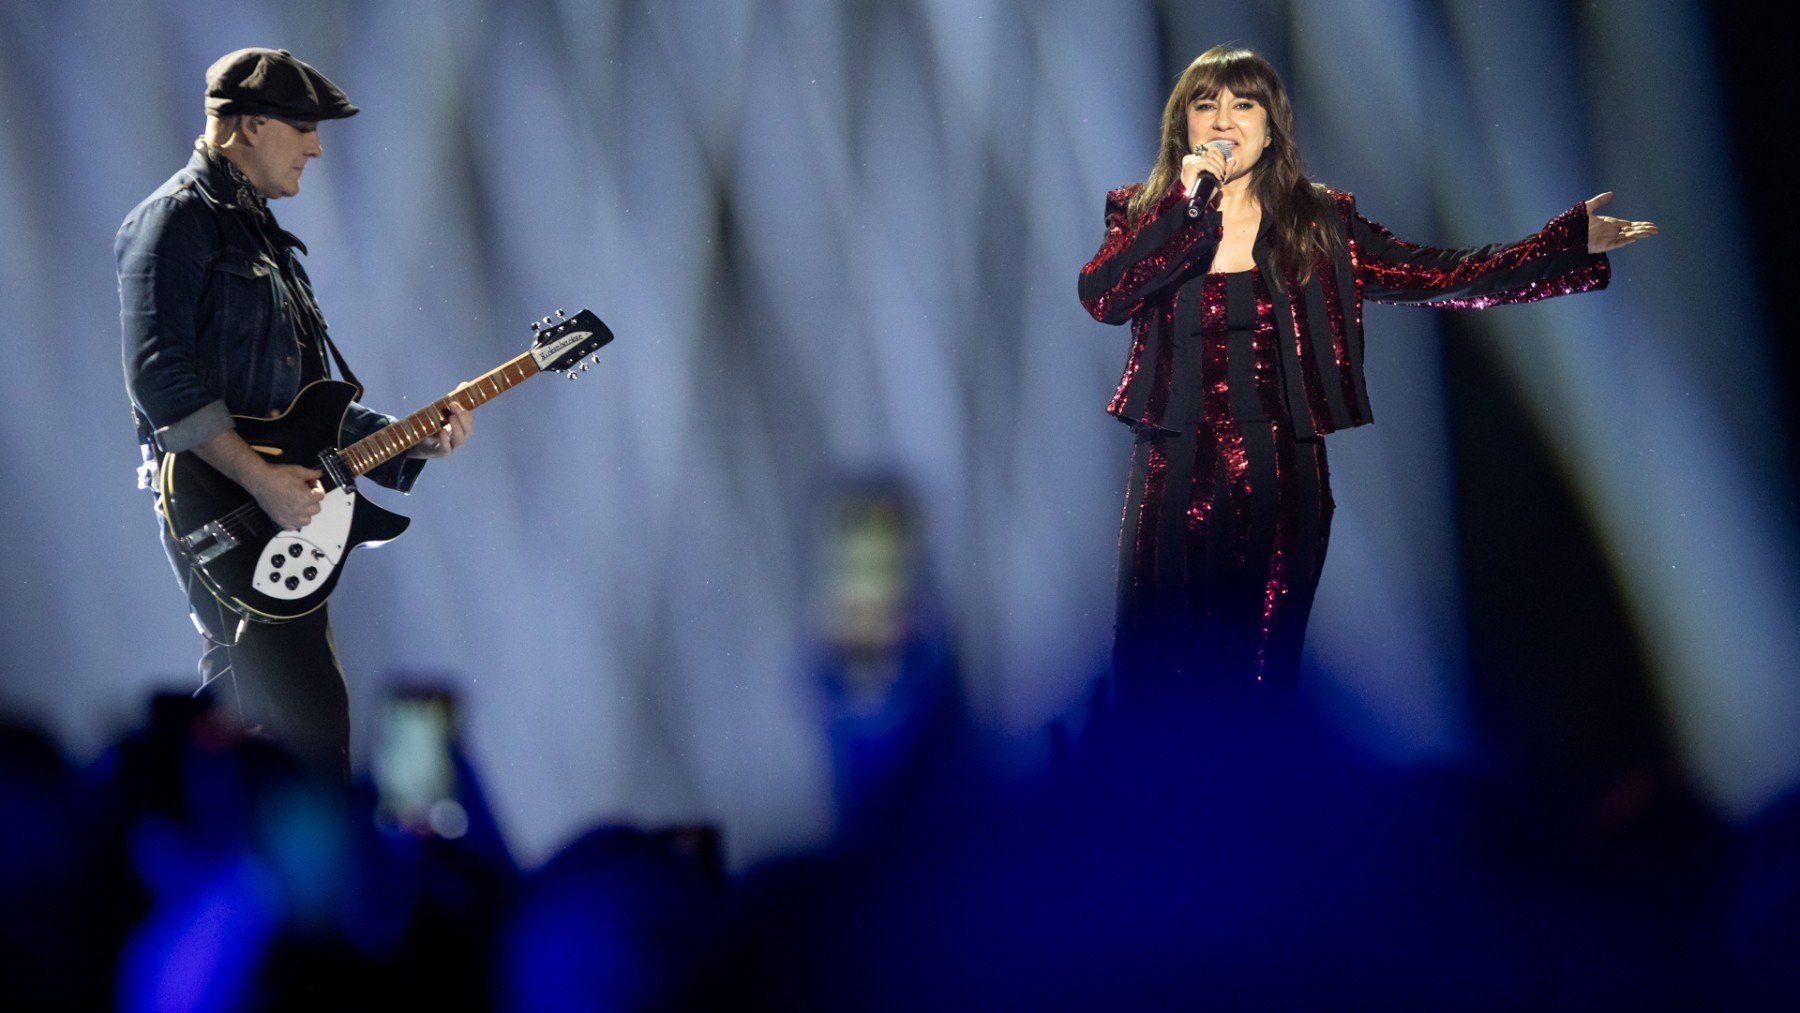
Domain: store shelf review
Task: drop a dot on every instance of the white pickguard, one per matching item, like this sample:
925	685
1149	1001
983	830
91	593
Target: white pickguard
295	563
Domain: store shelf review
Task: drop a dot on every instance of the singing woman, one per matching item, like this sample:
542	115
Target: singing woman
1243	283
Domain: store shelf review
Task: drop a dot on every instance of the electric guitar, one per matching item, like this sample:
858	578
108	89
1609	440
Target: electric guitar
269	575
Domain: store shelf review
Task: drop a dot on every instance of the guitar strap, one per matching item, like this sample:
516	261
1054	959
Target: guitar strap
338	357
309	317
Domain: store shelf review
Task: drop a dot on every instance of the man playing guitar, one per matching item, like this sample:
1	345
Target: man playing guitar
218	321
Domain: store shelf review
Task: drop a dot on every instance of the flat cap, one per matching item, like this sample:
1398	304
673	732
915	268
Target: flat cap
272	82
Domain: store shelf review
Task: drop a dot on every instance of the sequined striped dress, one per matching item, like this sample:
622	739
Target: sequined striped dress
1226	522
1229	384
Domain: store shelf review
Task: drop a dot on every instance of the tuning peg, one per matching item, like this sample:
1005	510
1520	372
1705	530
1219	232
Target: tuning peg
584	367
571	374
596	359
560	315
547	321
534	326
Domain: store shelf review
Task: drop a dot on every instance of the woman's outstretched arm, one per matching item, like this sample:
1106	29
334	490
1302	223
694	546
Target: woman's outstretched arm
1564	257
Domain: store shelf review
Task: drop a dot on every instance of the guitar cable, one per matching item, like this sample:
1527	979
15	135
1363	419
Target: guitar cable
230	667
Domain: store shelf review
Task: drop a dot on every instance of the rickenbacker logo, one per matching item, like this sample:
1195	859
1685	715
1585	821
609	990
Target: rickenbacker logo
557	347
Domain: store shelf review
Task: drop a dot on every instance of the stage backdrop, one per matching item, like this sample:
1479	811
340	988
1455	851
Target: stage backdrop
842	238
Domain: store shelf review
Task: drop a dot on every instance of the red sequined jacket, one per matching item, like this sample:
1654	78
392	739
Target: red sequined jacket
1151	274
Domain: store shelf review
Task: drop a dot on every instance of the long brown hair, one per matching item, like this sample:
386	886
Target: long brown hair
1300	210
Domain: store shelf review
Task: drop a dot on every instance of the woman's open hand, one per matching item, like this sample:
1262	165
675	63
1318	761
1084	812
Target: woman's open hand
1606	233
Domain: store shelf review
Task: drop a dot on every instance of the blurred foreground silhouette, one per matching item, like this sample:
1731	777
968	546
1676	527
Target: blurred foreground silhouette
1180	851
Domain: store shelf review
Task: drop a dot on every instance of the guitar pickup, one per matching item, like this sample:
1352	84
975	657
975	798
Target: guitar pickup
208	542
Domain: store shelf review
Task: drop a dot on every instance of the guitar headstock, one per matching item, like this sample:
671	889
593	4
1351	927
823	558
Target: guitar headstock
562	343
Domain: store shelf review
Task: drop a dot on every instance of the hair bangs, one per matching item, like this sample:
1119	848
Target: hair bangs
1239	71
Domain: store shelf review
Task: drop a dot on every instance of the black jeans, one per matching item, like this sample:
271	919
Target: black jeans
284	682
281	681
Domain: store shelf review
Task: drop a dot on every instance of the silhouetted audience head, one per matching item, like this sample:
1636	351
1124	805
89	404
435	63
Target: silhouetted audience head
619	920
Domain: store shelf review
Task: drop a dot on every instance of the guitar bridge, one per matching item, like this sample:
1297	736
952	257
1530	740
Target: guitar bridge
337	474
208	542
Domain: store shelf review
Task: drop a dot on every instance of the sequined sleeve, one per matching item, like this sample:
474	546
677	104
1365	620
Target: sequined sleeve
1552	261
1139	258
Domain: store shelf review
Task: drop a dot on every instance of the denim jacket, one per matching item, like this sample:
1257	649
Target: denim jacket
209	322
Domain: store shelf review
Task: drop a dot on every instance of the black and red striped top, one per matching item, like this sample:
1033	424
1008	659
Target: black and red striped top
1152	274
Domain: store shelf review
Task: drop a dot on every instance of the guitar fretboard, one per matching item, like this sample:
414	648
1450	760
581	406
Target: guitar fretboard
389	443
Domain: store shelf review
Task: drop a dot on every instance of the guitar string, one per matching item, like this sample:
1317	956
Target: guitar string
239	522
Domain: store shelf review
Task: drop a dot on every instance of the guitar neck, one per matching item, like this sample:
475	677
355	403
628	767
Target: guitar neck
367	454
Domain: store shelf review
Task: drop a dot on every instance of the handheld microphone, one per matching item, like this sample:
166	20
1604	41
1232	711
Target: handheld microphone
1224	147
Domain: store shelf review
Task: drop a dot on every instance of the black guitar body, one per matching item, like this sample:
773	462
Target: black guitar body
253	568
